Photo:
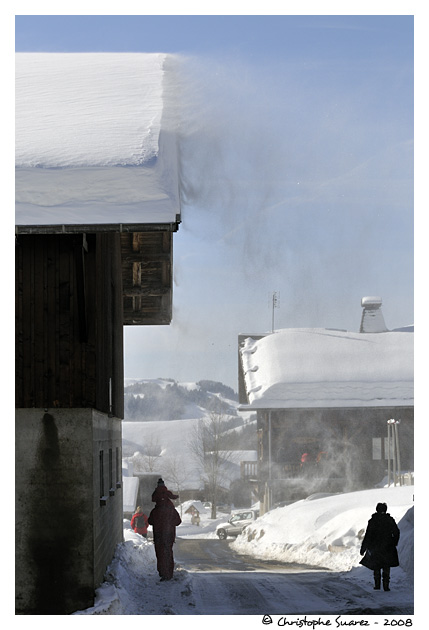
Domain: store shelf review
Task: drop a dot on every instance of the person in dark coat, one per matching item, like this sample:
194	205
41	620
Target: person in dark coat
164	519
379	546
139	522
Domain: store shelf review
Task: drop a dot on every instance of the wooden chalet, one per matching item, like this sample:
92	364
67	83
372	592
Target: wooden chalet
323	400
97	204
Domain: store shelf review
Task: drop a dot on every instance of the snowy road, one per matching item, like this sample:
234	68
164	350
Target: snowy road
223	582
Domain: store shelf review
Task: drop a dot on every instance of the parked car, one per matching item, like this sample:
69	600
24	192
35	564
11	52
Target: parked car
236	524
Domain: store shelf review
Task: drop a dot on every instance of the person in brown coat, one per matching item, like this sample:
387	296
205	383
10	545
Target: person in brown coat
164	519
379	546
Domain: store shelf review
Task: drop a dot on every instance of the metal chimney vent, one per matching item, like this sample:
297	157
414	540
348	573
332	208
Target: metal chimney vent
372	316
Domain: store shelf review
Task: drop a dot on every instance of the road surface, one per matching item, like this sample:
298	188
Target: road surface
223	582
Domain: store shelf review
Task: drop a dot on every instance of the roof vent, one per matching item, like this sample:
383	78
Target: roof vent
372	317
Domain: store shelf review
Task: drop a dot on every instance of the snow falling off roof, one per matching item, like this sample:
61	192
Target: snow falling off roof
327	368
92	142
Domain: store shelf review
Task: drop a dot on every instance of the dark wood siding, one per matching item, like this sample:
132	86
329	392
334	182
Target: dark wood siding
69	321
147	277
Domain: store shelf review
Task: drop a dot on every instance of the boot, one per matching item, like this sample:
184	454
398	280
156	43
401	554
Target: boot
377	581
386	578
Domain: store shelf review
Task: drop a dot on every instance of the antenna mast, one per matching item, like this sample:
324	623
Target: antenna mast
275	304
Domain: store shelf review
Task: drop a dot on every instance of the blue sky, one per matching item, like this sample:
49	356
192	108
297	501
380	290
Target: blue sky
299	179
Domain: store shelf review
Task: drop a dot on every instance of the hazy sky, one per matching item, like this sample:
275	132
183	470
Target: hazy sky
297	161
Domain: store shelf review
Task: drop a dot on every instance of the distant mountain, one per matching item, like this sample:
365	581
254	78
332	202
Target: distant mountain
166	399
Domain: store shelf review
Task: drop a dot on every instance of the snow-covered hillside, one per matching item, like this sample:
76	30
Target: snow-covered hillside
165	444
166	399
168	438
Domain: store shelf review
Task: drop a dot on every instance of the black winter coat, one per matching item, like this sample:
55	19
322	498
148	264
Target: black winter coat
380	541
164	519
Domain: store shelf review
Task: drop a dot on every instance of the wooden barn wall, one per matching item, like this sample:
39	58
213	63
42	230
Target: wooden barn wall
109	348
69	322
147	277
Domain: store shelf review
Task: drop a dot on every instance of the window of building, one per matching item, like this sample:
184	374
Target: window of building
118	468
103	498
111	488
376	448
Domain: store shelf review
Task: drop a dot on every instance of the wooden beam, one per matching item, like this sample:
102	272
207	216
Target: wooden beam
145	257
157	291
80	247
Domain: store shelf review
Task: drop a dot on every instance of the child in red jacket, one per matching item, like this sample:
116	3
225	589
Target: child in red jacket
139	522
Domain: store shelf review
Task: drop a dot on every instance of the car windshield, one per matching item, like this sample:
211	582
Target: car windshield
241	517
236	517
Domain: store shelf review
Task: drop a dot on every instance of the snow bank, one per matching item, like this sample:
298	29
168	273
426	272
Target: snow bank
132	586
134	560
327	531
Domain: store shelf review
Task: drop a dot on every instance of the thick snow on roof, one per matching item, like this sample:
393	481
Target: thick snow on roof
94	139
129	494
318	367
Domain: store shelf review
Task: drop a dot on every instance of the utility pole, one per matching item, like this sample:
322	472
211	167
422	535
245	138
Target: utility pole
393	446
398	458
275	304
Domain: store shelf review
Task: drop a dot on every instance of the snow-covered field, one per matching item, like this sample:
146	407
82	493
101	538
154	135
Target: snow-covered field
171	438
324	531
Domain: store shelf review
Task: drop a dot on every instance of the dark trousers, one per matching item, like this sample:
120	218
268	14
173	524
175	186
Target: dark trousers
164	555
386	573
386	578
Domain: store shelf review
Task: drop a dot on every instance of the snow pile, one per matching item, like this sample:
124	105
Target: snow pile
132	585
327	531
323	531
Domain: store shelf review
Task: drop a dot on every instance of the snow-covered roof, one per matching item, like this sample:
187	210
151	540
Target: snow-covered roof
319	367
129	493
127	468
239	456
186	507
95	141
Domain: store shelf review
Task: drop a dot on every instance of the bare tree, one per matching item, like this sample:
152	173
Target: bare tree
175	473
147	461
209	445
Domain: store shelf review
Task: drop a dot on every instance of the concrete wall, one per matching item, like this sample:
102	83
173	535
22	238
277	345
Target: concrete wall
65	536
108	511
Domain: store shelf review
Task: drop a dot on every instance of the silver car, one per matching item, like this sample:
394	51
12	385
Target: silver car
236	524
